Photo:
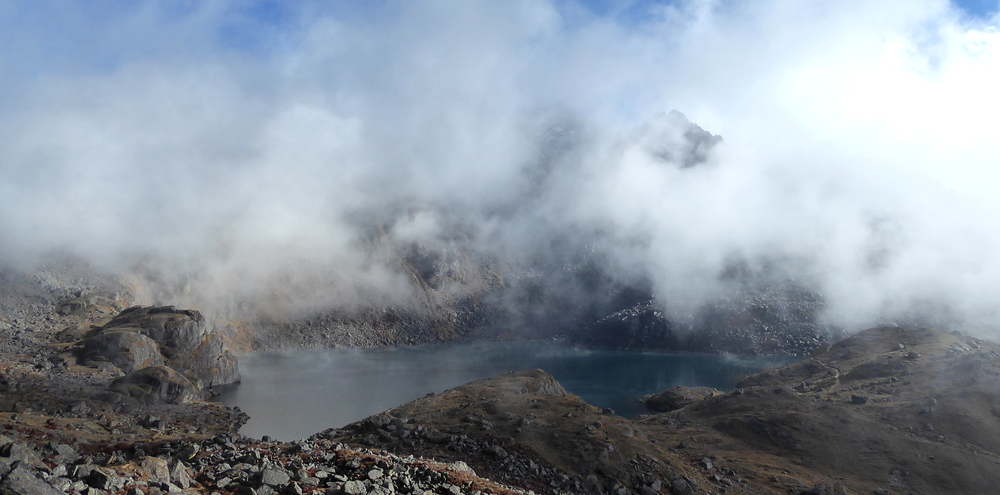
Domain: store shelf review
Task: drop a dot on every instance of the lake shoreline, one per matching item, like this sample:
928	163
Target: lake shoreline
395	375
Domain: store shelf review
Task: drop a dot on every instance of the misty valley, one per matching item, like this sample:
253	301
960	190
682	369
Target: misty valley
500	247
511	341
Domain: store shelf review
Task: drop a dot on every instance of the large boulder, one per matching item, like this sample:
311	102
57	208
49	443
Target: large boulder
18	451
22	480
187	343
129	351
157	385
178	331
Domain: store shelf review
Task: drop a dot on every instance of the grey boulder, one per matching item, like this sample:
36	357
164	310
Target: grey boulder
129	351
157	385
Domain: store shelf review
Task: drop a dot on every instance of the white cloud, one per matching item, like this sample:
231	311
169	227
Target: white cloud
851	128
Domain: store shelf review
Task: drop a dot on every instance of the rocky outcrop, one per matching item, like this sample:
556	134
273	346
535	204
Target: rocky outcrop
178	331
212	361
672	138
129	351
183	340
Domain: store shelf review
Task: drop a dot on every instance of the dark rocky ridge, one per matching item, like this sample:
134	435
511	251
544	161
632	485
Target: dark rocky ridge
463	297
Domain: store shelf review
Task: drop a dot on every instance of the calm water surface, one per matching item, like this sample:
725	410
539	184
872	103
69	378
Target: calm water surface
295	394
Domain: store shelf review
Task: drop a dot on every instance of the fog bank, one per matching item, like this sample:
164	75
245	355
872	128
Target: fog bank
227	152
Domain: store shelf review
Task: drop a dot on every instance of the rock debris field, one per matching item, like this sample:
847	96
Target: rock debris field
232	464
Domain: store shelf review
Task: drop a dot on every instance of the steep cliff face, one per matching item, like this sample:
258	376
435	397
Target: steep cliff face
464	298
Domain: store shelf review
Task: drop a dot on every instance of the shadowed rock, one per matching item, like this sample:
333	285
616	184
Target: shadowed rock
129	351
77	331
19	451
23	481
157	385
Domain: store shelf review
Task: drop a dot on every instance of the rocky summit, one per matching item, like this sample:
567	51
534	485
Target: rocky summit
100	396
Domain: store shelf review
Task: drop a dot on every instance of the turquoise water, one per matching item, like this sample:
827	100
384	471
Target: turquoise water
293	395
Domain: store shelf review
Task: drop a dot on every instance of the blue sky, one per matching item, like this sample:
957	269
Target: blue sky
257	16
96	34
980	8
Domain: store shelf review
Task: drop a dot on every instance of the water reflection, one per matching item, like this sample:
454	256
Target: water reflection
292	395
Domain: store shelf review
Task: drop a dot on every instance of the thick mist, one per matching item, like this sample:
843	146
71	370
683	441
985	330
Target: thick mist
229	154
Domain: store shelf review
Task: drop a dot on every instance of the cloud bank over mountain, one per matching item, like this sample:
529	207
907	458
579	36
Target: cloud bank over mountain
229	147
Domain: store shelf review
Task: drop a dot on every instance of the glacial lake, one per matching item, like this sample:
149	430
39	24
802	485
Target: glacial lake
291	395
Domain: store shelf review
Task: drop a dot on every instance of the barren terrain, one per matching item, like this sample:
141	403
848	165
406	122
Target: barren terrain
888	410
